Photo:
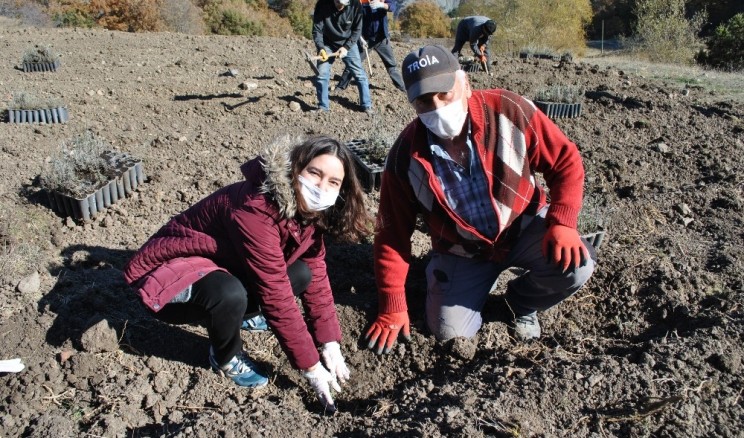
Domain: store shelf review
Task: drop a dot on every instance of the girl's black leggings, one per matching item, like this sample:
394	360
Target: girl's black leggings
219	301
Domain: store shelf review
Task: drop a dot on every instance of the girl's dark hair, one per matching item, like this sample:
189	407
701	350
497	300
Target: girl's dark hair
348	220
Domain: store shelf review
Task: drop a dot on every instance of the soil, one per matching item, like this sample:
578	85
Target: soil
652	346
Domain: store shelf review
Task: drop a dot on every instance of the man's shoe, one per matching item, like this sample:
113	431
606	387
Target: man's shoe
526	327
255	324
370	111
240	369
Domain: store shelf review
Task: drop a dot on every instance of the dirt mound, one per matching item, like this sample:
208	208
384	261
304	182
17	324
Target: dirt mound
651	347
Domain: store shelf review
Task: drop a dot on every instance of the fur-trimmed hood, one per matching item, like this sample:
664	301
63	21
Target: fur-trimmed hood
275	179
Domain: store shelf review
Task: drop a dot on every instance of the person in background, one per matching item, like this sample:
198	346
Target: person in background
475	30
238	258
467	165
337	26
376	36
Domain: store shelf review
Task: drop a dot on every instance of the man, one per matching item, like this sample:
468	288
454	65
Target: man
337	25
467	165
475	30
376	34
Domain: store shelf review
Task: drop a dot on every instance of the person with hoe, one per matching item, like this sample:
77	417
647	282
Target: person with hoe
376	36
475	30
254	245
337	26
467	165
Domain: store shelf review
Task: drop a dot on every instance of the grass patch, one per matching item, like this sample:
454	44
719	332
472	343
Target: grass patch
717	85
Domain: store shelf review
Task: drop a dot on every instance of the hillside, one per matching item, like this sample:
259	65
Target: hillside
651	347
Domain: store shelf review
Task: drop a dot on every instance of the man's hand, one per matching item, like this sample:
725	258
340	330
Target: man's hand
563	246
334	361
342	52
376	4
323	55
385	330
322	381
482	59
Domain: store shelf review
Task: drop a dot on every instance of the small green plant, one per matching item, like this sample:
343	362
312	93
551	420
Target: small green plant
39	54
379	143
560	94
27	101
80	166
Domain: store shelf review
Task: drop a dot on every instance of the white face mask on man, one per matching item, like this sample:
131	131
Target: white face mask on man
315	198
447	121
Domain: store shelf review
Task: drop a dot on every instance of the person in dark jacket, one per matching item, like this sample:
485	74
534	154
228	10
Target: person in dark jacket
376	36
337	26
475	30
259	242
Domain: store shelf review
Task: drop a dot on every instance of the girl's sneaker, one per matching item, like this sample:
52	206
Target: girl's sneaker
240	369
255	324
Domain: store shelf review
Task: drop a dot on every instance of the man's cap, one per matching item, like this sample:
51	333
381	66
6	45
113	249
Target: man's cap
430	69
490	26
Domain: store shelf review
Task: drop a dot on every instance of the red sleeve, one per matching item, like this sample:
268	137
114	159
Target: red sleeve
558	159
320	308
256	239
396	220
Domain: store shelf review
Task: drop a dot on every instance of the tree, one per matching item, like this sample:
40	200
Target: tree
664	34
555	24
726	46
424	19
127	15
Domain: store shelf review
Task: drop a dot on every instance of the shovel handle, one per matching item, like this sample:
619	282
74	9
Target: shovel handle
318	58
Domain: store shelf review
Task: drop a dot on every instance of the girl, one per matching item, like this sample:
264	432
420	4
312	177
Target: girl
260	242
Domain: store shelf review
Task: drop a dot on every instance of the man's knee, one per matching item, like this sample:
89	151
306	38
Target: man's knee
453	322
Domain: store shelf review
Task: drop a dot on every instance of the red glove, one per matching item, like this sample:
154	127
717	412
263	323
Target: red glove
385	330
563	246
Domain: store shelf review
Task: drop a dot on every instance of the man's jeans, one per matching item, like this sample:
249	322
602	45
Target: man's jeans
354	63
458	286
385	50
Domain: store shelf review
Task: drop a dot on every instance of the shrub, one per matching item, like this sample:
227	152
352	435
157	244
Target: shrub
379	142
182	16
27	101
239	17
40	54
725	49
78	167
423	19
73	18
559	25
127	15
231	22
560	93
300	16
664	34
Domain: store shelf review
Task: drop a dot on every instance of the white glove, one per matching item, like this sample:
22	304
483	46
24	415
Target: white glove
376	4
322	381
342	52
334	361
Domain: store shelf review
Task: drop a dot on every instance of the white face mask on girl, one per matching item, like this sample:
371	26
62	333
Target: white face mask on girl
316	199
447	121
